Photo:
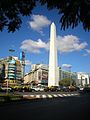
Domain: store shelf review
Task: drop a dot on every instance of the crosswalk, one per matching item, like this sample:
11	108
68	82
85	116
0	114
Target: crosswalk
38	96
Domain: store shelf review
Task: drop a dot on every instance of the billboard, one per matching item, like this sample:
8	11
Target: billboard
44	75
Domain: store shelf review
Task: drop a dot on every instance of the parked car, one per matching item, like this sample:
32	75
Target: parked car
46	89
37	88
86	90
72	88
81	88
64	89
26	89
52	88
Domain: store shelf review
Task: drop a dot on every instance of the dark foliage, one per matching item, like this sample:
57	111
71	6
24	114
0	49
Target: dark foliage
72	12
11	11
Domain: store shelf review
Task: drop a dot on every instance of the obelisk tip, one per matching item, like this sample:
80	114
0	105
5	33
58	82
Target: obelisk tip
53	23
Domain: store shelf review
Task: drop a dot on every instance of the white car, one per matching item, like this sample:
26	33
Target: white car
81	88
37	88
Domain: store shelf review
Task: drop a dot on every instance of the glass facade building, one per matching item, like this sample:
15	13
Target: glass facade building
11	68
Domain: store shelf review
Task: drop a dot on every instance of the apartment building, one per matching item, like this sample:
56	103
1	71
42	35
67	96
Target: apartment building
83	78
39	74
11	69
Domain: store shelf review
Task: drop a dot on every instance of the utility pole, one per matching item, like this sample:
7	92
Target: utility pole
22	57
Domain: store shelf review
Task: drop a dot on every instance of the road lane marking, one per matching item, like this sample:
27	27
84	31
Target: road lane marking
32	95
38	96
50	96
44	96
64	95
60	95
25	95
55	95
68	95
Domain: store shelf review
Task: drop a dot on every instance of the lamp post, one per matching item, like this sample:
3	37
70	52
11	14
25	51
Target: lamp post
7	86
22	58
81	80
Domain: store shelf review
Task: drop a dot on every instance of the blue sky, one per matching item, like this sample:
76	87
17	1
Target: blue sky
33	37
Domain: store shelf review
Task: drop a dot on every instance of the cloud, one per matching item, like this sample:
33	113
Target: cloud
27	62
65	44
39	22
66	65
69	43
87	52
34	46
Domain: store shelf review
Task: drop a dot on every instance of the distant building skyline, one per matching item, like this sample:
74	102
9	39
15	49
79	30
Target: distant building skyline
39	75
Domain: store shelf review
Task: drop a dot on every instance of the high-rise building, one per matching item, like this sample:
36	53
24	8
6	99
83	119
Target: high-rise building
83	79
37	75
11	69
53	78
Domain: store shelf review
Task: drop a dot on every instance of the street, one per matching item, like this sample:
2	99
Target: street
66	108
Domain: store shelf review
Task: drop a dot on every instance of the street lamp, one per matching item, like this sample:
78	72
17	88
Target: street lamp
7	86
22	58
81	80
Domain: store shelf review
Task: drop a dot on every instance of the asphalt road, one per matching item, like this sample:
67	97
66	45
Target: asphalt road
68	108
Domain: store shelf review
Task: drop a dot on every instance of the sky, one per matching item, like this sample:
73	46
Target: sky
34	36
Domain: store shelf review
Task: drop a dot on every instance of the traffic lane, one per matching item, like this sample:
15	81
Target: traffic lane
57	108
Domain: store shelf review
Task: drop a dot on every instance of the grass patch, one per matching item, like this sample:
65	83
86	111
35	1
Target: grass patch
9	97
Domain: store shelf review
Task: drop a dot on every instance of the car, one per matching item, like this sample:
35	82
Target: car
55	88
46	89
64	89
52	88
86	90
37	88
72	88
81	88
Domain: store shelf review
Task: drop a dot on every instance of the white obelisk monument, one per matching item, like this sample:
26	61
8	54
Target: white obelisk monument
53	77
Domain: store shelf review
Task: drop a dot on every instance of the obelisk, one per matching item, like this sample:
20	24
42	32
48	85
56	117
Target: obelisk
53	77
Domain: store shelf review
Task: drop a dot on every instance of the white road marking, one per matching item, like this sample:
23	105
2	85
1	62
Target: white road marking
54	95
64	95
68	95
44	96
32	95
50	96
37	96
25	95
60	95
